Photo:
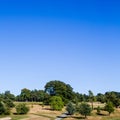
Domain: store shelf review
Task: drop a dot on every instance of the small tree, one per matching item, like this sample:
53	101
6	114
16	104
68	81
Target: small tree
56	103
70	108
98	110
109	107
85	109
22	108
91	98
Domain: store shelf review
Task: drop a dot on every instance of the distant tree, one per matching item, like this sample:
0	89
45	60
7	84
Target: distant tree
79	97
110	96
21	108
100	98
70	108
37	95
116	102
46	100
56	103
7	95
25	94
113	97
85	109
58	88
91	98
109	107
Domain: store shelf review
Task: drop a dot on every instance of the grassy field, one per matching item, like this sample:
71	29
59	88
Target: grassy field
104	115
37	112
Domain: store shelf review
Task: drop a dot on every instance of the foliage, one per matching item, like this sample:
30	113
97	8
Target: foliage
58	88
79	97
91	98
25	94
8	95
116	102
109	107
100	98
7	111
31	95
21	108
85	109
113	97
4	110
37	95
70	108
9	103
56	103
98	110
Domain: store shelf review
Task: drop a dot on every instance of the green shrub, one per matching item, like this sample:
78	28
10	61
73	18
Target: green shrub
22	108
9	103
85	109
70	108
56	103
109	107
2	108
7	111
98	110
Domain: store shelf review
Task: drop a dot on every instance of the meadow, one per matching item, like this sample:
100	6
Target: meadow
39	112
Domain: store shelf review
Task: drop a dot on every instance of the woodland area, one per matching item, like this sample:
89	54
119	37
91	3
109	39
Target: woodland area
59	95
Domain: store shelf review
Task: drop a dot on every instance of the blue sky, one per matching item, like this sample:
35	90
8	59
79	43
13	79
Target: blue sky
76	42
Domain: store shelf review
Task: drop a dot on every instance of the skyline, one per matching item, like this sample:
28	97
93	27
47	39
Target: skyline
75	42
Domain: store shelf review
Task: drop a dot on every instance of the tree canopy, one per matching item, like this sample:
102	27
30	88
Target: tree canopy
58	88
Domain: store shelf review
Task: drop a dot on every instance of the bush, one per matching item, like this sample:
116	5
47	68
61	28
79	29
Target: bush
9	103
22	108
56	103
70	108
4	109
109	107
7	111
85	109
98	110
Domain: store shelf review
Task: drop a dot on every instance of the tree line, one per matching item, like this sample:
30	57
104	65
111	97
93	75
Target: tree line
63	90
58	94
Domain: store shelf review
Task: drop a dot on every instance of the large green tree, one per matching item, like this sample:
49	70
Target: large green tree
59	88
25	94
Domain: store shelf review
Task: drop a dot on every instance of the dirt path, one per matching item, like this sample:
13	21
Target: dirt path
6	118
64	115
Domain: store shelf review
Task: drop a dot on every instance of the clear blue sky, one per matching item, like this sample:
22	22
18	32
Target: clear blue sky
75	41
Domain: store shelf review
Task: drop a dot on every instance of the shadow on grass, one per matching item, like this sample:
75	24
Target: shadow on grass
100	114
18	114
61	117
82	118
15	114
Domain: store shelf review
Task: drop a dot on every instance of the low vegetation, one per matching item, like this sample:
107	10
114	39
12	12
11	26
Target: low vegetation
60	96
21	108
